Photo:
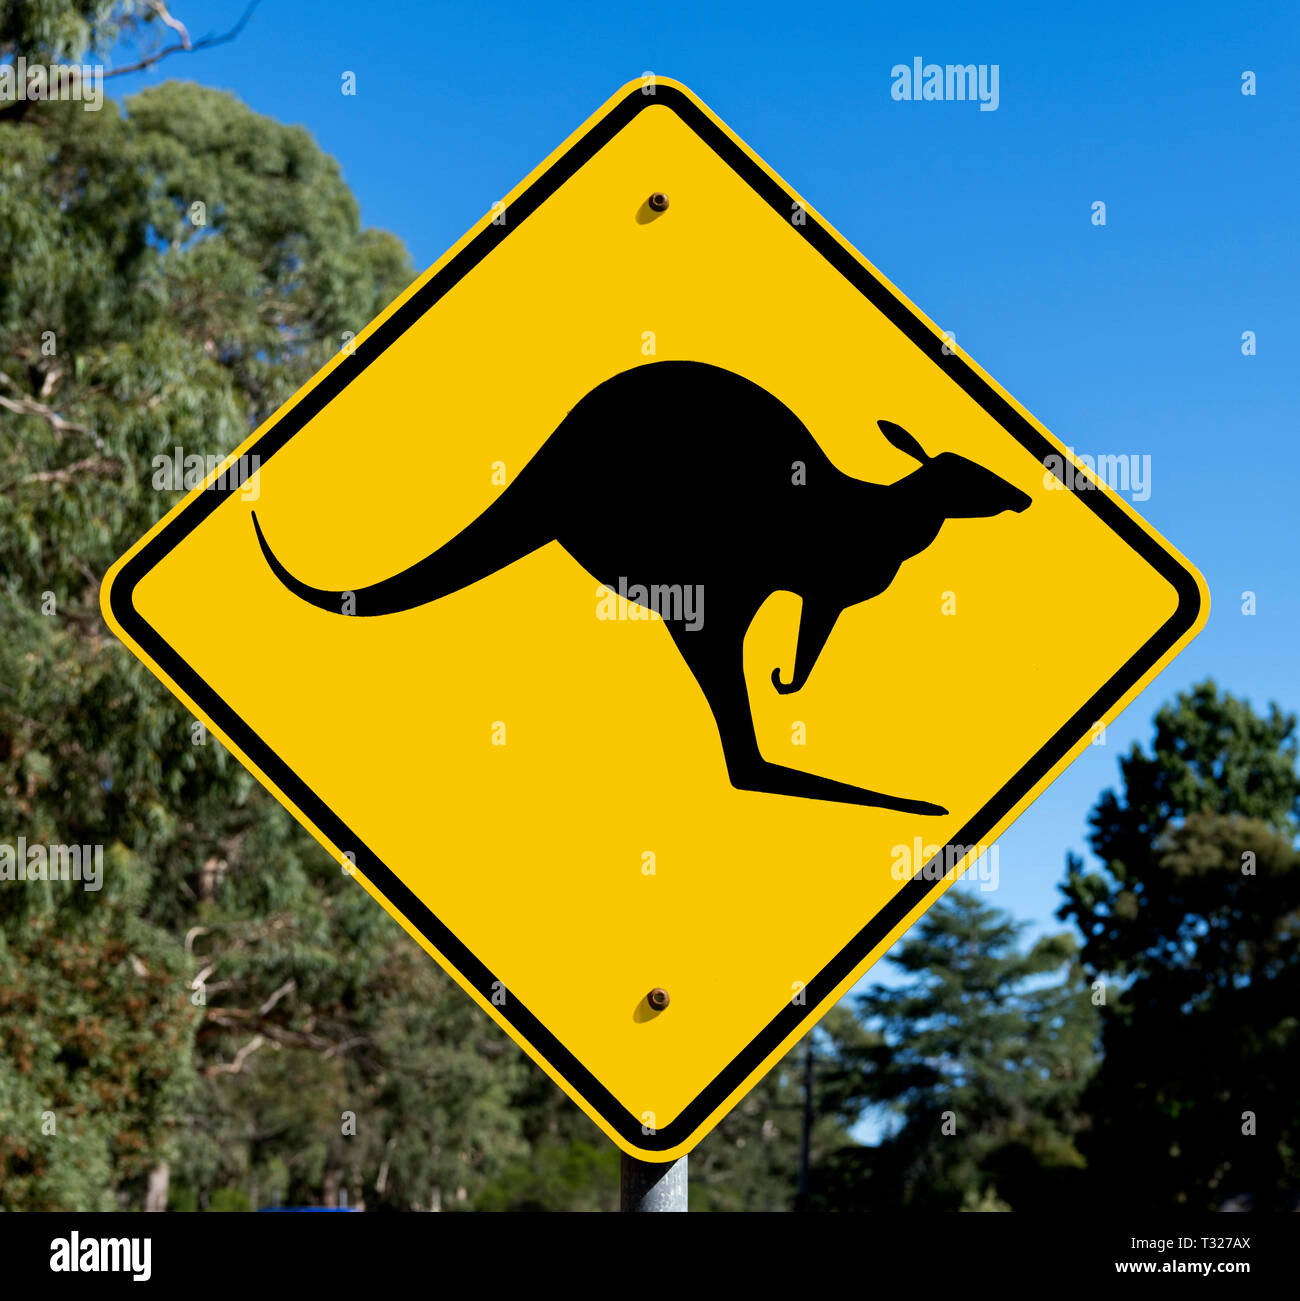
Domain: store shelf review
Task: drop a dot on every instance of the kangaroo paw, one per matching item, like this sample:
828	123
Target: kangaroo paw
784	688
773	779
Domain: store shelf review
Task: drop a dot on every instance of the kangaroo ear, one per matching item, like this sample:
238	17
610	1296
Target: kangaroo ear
901	439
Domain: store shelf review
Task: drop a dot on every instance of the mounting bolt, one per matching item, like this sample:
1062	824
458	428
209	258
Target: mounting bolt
658	201
657	998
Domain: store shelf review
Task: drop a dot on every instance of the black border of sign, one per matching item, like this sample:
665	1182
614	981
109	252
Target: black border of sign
524	1022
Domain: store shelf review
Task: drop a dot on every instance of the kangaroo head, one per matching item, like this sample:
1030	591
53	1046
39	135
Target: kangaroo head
961	489
955	487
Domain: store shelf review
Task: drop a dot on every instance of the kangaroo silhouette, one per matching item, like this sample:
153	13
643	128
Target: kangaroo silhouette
678	472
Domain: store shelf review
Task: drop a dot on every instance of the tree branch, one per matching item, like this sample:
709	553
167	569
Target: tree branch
185	45
174	23
288	986
30	407
234	1067
92	465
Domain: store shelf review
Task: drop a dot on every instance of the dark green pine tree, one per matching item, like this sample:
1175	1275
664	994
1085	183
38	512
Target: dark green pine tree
977	1061
1193	918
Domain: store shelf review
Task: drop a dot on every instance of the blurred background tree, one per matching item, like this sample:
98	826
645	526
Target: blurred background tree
1194	918
976	1063
205	1023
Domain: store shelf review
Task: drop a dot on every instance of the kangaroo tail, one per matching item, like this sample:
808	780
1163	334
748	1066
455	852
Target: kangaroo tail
495	539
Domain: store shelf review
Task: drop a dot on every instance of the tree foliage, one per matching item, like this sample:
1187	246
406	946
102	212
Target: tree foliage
228	996
1194	917
980	1058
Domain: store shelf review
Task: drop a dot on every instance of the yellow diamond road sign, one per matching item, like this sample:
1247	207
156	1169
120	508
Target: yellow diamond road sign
658	610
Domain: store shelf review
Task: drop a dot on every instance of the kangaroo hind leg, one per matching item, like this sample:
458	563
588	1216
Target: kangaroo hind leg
718	666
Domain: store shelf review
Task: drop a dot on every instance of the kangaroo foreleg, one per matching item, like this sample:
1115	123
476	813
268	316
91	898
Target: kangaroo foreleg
815	624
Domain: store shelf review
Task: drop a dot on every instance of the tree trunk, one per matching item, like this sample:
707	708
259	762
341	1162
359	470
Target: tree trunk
155	1197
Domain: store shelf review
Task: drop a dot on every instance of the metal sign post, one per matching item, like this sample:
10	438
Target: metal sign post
651	1185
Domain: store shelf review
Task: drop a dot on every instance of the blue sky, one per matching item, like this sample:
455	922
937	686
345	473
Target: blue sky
1122	339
